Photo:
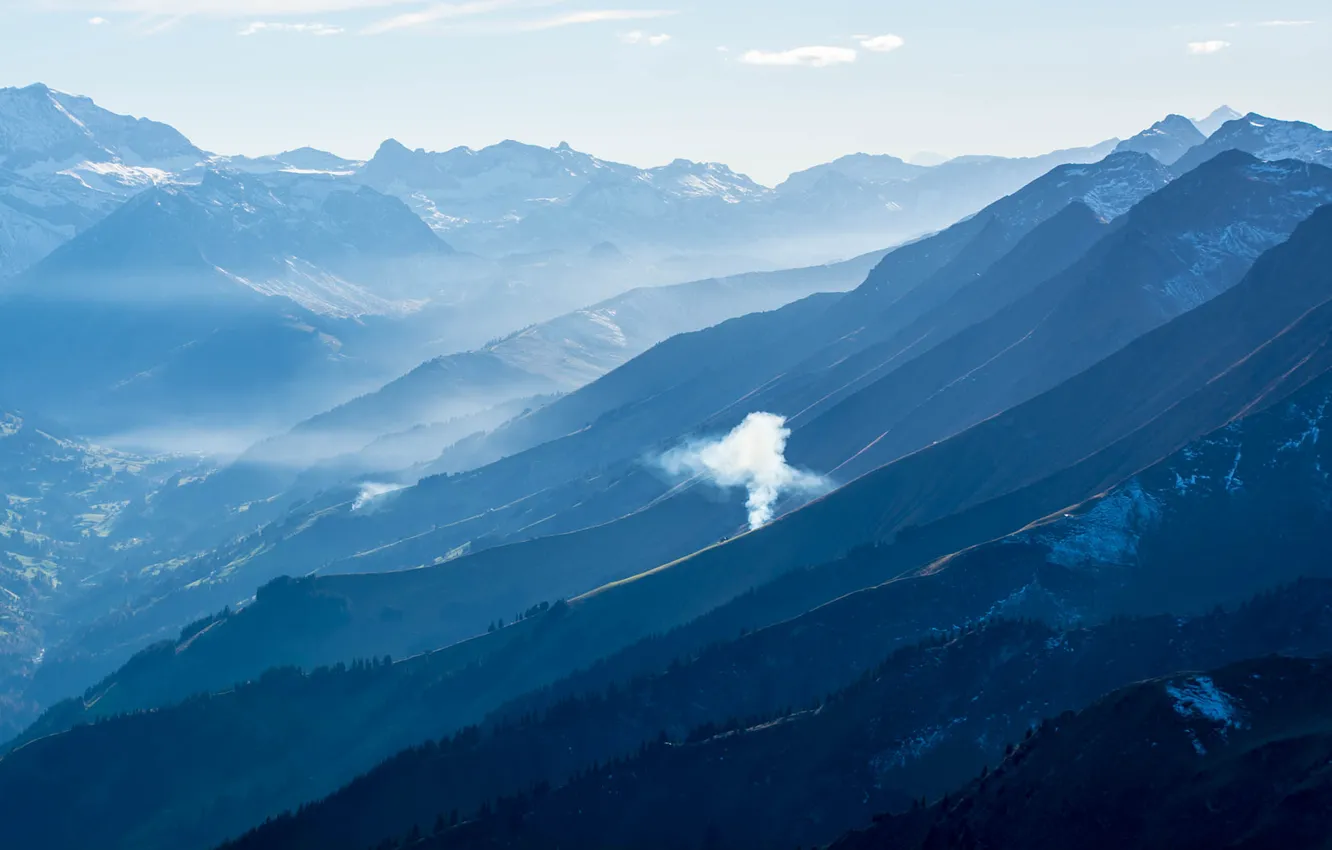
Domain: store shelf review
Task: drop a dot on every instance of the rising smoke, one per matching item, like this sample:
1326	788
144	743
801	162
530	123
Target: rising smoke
370	491
753	456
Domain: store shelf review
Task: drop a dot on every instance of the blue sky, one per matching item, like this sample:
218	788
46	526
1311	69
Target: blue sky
767	87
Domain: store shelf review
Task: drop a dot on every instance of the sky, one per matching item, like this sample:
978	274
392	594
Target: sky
766	86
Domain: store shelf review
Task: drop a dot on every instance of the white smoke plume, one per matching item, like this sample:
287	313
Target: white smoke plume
371	491
753	456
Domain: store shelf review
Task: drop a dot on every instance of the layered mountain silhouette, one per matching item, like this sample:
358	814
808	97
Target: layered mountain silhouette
1265	138
1235	757
233	286
871	552
687	519
1278	348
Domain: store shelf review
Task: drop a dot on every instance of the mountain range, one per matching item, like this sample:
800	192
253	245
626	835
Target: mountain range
543	527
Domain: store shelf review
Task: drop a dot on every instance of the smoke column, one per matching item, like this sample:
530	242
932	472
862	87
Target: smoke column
753	456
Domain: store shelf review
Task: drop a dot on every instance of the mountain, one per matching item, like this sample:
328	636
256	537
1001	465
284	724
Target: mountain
1092	432
43	129
1233	758
65	163
296	237
1167	140
301	160
1173	251
591	475
512	197
222	289
1182	536
872	169
919	724
1209	125
1265	138
567	352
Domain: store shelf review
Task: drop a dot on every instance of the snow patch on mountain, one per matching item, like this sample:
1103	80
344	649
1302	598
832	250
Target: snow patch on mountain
1108	533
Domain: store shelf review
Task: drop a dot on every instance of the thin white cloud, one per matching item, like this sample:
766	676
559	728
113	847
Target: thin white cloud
160	24
98	21
640	37
308	29
816	56
1276	23
436	12
592	17
881	43
1201	48
222	8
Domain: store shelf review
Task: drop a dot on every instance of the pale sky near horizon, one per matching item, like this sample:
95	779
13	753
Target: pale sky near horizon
766	86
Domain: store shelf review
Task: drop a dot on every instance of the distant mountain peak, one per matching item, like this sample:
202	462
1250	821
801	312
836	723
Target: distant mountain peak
1167	140
1209	125
1265	138
45	129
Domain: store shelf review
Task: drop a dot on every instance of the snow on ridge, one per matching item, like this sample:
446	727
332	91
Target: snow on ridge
322	292
1108	534
1198	697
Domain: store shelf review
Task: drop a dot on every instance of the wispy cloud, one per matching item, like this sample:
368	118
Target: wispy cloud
881	43
308	29
1200	48
1276	23
592	17
221	8
436	12
98	21
809	57
640	37
157	25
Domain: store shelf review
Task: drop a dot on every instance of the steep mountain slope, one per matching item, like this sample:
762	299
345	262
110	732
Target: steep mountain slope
1117	555
690	379
1181	536
461	395
1234	758
1056	450
1174	251
1265	138
680	382
47	128
65	163
569	351
909	282
1167	140
859	753
919	724
191	300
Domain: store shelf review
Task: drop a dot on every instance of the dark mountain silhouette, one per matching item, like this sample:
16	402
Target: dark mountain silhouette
1112	420
1234	758
1072	568
590	472
916	726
